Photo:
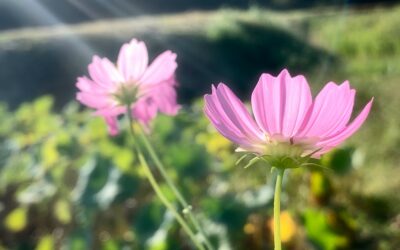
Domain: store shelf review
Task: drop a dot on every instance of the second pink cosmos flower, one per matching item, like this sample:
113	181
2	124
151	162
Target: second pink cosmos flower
286	119
146	89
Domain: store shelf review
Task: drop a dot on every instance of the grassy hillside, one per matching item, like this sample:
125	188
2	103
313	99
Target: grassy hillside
367	46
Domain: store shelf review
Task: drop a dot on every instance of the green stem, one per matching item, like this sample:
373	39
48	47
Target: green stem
277	210
167	203
187	208
158	190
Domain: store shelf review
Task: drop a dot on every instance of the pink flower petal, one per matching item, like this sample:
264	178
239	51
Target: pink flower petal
223	124
164	96
330	111
104	73
133	60
267	103
227	131
298	100
84	84
341	119
280	103
237	112
93	100
347	131
111	110
161	69
112	123
144	110
261	104
231	117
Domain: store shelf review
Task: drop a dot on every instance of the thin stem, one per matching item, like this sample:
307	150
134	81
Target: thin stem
158	190
277	210
162	170
168	204
130	119
187	208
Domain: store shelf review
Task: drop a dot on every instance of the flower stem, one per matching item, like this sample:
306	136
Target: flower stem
186	207
158	190
277	210
167	203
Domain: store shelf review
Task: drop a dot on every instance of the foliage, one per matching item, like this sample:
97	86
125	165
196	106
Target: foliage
65	182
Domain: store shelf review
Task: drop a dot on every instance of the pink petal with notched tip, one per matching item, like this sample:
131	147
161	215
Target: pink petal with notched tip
226	131
260	103
269	97
330	111
133	60
96	101
280	103
161	69
84	84
340	120
166	102
104	73
237	113
298	100
215	107
231	118
218	120
341	136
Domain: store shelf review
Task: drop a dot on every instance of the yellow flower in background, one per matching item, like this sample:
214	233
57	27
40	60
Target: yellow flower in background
214	142
288	227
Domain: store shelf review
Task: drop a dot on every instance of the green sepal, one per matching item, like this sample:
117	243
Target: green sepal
252	162
241	159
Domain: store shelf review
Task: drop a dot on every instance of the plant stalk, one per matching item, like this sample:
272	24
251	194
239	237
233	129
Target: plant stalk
167	203
277	210
186	207
158	190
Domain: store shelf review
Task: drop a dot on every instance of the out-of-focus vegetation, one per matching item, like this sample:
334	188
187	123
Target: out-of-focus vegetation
65	183
17	14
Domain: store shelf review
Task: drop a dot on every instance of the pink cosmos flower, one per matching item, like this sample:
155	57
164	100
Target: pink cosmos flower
146	89
287	120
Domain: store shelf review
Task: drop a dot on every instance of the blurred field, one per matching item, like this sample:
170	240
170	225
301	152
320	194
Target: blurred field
78	188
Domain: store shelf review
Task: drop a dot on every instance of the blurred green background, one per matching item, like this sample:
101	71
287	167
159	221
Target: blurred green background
66	184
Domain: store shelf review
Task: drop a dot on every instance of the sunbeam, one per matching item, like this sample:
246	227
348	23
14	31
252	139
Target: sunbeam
84	8
40	12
